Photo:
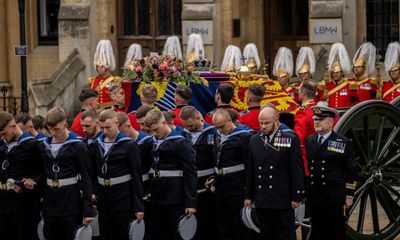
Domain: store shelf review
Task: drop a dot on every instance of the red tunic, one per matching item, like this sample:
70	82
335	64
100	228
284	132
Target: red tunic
177	119
338	98
250	117
133	120
389	91
365	89
76	125
102	86
293	91
303	127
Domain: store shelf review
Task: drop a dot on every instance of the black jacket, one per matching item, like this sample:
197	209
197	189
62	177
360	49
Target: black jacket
275	172
24	161
145	143
175	153
231	152
332	170
123	158
72	159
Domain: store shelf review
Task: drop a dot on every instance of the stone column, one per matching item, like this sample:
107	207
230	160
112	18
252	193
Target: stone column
3	44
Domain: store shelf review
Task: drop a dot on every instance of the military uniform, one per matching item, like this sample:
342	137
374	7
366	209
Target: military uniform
102	86
293	90
203	143
274	179
177	119
231	154
76	126
63	203
332	178
119	184
304	127
390	90
337	94
119	108
19	212
250	117
174	185
209	115
362	89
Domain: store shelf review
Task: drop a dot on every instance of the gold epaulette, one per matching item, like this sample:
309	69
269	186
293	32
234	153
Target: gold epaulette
374	81
352	85
90	80
321	85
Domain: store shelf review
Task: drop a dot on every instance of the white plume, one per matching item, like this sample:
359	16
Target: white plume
283	59
367	51
134	52
305	55
250	51
172	47
339	52
104	55
232	58
392	56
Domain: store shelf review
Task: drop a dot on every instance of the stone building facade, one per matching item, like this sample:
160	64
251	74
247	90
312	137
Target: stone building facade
57	71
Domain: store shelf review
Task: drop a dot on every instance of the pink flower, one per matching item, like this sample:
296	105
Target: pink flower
138	69
154	61
164	65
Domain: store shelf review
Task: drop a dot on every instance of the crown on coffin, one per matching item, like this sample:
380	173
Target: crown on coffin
201	64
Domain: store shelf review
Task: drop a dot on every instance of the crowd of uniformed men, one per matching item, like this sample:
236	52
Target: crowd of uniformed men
158	166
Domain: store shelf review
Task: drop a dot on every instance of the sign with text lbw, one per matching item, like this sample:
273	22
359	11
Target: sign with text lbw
325	30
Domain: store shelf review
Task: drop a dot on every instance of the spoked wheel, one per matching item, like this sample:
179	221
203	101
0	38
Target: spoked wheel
374	128
396	102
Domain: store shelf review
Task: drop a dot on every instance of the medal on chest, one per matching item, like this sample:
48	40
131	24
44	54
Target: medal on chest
210	139
335	146
343	92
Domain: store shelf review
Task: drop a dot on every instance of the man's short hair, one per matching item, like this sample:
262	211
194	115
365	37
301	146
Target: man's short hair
142	111
226	92
153	117
22	117
38	122
5	119
309	87
87	93
224	113
55	116
184	92
257	92
122	118
188	112
92	114
149	93
114	89
107	114
268	105
169	116
234	115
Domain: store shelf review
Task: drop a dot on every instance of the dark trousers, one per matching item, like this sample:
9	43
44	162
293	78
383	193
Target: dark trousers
165	220
147	219
229	220
205	213
114	226
276	224
32	217
11	226
327	222
61	228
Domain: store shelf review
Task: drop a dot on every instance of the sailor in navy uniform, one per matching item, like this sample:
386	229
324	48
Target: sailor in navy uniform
65	202
90	127
202	136
332	179
231	157
20	164
275	177
119	189
174	185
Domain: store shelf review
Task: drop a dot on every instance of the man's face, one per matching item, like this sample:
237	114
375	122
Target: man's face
222	125
119	97
109	127
323	126
395	74
140	121
337	75
192	124
94	103
89	127
359	71
283	80
8	133
159	129
126	128
58	130
304	76
268	123
101	70
28	127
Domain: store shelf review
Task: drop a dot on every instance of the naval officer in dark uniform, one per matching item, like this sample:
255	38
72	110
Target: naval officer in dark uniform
332	176
275	177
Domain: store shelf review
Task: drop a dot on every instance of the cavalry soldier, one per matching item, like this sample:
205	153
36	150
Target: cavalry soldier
90	127
202	136
231	154
391	88
305	64
275	180
255	94
183	94
336	92
250	53
173	188
20	174
332	176
283	70
223	97
362	87
65	201
89	101
119	186
303	121
104	62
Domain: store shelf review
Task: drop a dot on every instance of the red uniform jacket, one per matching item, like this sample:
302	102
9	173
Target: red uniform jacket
293	90
362	89
304	127
177	119
339	95
250	117
76	124
101	86
390	90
